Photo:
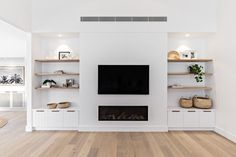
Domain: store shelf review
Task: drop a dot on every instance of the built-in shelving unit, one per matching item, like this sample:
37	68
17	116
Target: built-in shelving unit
188	118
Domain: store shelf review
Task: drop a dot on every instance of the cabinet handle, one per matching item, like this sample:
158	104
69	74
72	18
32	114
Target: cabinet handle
55	111
40	111
175	111
206	111
191	111
71	111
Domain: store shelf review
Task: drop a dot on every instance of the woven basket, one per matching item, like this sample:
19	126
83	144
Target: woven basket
64	105
173	55
52	105
185	103
202	102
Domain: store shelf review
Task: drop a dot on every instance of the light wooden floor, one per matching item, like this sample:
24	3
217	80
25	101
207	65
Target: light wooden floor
14	142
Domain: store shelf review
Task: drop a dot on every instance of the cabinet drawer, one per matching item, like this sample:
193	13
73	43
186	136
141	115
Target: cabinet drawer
207	118
40	118
175	118
55	118
191	118
71	119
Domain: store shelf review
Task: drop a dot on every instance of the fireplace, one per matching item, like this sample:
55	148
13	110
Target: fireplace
123	113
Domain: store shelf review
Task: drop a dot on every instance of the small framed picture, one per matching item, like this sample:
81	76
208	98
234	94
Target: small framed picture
70	82
193	54
64	55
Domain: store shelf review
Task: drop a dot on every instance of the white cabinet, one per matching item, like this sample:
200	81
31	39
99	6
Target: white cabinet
207	118
71	118
40	118
175	118
56	119
190	119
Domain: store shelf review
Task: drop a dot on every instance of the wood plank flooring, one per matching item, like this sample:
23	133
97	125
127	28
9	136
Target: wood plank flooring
14	142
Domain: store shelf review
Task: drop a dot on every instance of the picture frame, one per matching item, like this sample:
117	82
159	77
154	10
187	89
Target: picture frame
64	55
70	82
12	75
193	54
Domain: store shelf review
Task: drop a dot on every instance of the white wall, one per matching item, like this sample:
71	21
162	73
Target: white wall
13	41
123	48
183	15
222	49
17	13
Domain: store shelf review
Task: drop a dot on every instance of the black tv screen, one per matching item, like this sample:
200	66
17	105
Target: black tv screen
123	79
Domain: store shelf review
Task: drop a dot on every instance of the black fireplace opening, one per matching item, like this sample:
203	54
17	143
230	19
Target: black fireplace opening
123	113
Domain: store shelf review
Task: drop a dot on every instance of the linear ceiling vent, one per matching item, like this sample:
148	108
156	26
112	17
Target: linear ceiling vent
123	19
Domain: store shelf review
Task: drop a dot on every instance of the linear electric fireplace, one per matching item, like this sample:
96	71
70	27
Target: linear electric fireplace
123	113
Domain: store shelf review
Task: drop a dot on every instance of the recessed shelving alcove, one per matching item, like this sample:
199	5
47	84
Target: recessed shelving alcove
181	83
48	66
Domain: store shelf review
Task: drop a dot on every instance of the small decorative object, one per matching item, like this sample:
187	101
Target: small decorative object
185	55
202	102
52	105
173	55
49	83
197	70
186	102
76	85
64	105
64	55
70	82
59	72
193	54
12	75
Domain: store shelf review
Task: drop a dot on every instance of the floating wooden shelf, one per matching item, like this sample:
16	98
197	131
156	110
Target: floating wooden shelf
191	87
55	74
56	60
190	60
40	88
186	74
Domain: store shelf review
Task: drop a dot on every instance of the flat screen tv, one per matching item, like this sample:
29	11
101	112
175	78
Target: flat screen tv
123	79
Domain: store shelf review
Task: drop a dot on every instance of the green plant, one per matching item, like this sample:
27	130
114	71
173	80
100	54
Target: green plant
197	70
49	81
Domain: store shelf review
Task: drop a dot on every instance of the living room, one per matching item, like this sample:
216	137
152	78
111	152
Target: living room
117	78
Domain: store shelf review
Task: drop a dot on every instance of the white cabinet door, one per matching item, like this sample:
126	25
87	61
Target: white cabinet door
175	118
207	118
55	118
40	118
71	119
191	118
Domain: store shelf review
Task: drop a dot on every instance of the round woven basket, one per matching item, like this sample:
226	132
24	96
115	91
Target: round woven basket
64	105
52	105
202	102
185	102
173	55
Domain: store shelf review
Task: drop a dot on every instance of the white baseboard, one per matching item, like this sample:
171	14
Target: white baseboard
191	129
123	128
54	129
226	134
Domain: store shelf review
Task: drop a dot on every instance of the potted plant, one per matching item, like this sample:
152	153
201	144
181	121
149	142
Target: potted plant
49	83
197	70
